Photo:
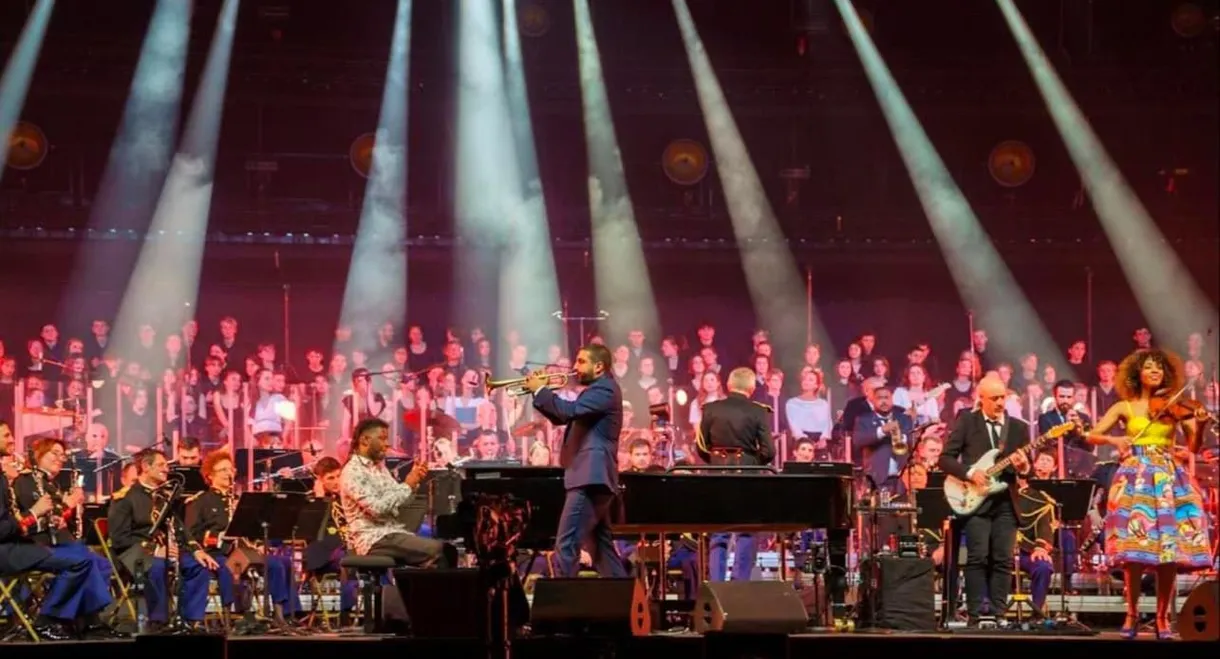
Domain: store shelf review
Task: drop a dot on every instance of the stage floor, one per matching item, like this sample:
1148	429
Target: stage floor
672	646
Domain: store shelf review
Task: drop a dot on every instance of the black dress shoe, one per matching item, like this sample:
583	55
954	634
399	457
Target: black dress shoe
53	631
100	631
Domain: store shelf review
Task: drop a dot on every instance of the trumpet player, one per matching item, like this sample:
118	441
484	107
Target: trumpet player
79	591
883	438
141	552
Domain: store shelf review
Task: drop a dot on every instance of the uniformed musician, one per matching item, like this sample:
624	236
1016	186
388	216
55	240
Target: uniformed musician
140	553
208	516
1036	540
322	556
737	431
61	527
79	591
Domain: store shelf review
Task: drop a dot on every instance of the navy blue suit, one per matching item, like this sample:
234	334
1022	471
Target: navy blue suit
590	461
876	452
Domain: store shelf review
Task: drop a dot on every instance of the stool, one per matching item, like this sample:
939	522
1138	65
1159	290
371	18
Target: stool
370	570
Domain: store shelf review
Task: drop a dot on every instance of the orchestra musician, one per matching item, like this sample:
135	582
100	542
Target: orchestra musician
79	591
189	453
1067	409
735	430
682	555
1036	540
874	436
1046	468
991	531
372	501
1151	479
588	455
141	552
208	515
322	556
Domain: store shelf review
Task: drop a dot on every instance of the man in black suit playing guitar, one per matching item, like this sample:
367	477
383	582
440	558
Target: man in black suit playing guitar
991	531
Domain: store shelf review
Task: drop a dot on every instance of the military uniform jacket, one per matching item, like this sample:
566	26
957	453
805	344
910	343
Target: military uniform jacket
207	516
1036	510
739	423
130	519
26	489
322	551
17	552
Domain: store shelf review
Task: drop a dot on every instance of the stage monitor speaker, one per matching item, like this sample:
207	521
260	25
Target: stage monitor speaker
449	603
1199	619
593	607
906	593
749	607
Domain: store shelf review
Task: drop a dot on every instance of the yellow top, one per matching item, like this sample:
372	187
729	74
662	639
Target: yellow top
1146	432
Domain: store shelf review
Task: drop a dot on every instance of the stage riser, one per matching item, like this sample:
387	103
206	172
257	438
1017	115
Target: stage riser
670	647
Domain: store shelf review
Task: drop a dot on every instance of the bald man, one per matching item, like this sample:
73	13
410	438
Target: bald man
991	531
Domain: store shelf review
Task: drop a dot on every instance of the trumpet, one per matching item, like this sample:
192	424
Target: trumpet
897	445
516	386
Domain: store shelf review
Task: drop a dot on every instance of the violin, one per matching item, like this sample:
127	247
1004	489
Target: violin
1176	409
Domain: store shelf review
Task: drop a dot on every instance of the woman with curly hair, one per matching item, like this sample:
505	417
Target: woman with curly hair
1155	518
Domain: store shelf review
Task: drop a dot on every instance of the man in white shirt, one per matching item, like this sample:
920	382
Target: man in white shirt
373	503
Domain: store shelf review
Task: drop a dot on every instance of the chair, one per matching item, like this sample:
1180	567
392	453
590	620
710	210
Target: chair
10	594
122	589
370	570
318	586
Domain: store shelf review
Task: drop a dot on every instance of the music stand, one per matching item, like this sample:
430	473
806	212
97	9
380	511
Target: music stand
1072	498
266	516
192	480
934	511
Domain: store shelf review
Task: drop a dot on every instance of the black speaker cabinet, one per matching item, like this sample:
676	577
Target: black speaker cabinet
749	607
593	607
905	594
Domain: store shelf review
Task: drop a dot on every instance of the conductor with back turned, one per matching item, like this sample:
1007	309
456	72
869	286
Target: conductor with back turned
735	431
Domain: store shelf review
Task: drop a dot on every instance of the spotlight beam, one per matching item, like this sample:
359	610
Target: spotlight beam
775	284
1170	298
164	285
528	263
15	83
623	287
376	289
140	155
979	272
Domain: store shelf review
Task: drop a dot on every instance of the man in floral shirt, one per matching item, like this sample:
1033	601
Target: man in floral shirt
372	502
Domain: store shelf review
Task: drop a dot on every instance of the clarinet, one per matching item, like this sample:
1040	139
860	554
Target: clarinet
40	491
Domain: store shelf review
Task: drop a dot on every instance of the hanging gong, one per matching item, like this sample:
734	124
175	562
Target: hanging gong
361	154
685	162
27	146
533	20
1011	163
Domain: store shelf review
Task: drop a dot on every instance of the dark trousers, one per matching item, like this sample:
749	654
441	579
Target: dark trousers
410	549
990	538
586	521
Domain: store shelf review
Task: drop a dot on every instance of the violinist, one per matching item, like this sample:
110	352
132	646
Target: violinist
143	552
1174	537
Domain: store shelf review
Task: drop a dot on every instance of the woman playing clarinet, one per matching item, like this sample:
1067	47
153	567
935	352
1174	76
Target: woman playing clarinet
1155	520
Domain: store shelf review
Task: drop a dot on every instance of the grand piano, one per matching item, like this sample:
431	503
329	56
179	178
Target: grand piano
706	501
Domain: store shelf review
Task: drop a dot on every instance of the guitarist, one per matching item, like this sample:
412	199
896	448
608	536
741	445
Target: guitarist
991	531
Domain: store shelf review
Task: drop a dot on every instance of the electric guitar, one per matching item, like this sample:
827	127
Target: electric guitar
964	497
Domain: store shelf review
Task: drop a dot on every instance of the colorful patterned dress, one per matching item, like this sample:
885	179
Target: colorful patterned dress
1155	512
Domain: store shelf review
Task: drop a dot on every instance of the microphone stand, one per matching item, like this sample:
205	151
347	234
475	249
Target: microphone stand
563	317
